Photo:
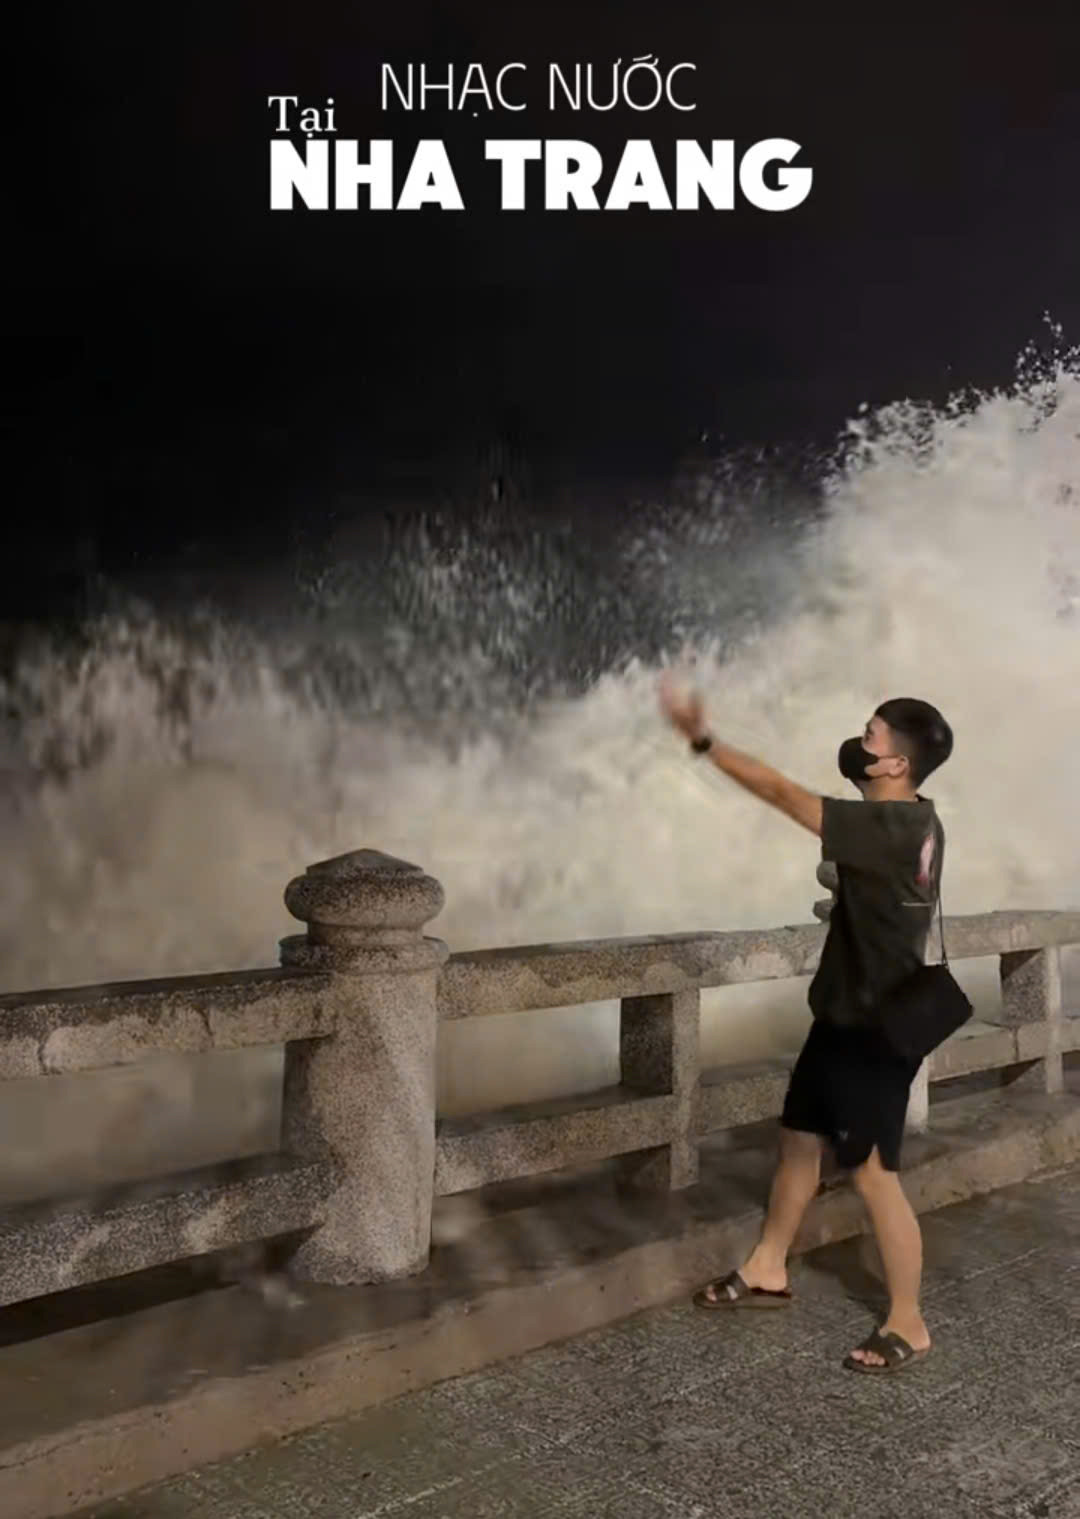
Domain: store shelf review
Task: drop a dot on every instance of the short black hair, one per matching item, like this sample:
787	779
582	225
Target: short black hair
925	736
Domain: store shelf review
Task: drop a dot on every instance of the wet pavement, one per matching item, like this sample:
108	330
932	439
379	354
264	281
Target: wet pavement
678	1414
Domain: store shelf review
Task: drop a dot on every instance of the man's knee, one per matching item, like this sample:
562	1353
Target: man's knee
872	1176
797	1145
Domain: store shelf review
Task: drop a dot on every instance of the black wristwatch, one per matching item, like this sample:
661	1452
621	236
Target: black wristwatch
702	745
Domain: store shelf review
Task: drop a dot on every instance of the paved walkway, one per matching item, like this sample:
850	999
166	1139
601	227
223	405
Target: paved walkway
678	1414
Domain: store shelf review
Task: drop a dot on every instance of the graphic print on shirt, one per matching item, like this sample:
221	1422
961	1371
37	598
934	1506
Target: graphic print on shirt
924	877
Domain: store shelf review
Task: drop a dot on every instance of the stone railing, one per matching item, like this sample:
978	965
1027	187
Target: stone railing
357	1005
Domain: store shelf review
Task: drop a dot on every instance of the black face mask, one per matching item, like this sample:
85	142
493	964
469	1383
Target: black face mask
854	760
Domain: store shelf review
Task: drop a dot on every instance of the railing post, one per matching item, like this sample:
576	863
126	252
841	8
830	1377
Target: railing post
364	1097
659	1053
829	877
1031	1004
918	1109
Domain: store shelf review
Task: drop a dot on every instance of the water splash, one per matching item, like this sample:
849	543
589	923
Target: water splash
483	703
166	776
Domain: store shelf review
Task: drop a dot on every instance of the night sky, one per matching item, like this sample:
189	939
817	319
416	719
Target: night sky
186	364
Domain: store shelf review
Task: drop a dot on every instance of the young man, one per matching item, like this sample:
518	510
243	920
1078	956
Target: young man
848	1087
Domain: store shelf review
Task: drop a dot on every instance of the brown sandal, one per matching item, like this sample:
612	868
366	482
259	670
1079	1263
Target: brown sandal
893	1349
732	1292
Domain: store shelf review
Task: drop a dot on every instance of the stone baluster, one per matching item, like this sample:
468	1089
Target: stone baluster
363	1098
918	1112
659	1054
1031	1005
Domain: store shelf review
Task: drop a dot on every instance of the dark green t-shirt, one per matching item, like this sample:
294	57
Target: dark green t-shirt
888	857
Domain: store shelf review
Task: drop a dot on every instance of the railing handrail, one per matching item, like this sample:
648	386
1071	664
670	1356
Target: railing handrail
71	1029
186	1013
108	991
537	977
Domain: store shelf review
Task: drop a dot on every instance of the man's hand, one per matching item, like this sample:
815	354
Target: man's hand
685	711
682	708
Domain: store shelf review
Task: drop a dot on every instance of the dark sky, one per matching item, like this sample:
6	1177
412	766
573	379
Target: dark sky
187	362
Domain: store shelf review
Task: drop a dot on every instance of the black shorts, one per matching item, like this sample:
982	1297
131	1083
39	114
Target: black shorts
852	1089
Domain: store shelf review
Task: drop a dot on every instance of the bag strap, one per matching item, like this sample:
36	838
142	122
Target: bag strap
940	908
941	929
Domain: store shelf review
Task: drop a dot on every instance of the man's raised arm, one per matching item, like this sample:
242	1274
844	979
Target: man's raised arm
686	713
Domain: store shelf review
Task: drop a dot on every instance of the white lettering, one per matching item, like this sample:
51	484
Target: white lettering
306	175
695	171
571	172
513	153
794	183
638	181
430	180
377	172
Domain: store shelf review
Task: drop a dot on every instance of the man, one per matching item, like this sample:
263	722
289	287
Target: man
848	1087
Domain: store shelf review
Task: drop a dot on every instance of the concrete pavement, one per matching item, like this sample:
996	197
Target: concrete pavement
677	1414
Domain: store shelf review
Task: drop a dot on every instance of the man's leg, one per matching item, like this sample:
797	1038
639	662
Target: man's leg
794	1185
896	1230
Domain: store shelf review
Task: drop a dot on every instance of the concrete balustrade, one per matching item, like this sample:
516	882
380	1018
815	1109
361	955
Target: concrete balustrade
357	1004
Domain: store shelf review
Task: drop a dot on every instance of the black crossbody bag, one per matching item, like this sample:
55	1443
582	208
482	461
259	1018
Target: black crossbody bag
925	1008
